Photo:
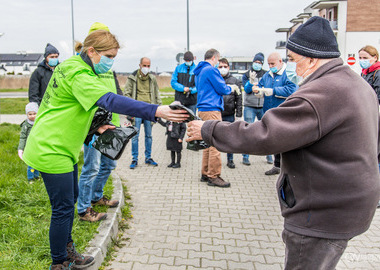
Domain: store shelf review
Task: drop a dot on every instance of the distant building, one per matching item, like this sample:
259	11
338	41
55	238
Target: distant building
239	64
19	63
353	27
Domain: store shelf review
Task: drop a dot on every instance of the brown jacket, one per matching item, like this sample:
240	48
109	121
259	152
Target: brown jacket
327	132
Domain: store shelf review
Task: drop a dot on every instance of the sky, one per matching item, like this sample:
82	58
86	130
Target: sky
152	28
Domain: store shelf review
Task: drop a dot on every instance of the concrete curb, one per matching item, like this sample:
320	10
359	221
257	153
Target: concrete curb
108	228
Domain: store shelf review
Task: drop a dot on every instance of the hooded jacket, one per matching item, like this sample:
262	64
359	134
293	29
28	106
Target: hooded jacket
329	184
131	88
211	87
39	81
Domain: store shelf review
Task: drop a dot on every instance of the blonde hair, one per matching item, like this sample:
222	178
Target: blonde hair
100	40
372	51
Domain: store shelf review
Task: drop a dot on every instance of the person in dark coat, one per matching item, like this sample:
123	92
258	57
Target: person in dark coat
41	76
369	62
232	102
175	133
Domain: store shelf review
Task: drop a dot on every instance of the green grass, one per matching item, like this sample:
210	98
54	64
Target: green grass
14	90
167	100
167	90
25	211
13	105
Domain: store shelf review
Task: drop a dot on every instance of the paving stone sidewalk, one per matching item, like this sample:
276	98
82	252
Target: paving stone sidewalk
181	223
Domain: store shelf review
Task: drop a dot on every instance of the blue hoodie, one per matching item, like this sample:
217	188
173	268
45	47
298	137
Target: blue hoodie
211	87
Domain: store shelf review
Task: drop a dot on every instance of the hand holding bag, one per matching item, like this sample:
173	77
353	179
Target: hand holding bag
112	142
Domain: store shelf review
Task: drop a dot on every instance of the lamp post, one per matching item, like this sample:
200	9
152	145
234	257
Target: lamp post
72	25
188	39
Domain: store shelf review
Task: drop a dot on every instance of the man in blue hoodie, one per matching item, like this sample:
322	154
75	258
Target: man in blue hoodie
211	88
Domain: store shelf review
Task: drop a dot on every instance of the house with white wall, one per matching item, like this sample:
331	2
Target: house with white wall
19	63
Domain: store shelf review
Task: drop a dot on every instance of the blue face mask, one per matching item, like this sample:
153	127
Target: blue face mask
257	66
291	72
104	65
53	62
189	63
365	63
274	69
217	65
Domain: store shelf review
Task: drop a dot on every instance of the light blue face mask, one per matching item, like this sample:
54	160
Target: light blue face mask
217	65
53	62
104	65
365	63
257	66
291	72
189	63
274	69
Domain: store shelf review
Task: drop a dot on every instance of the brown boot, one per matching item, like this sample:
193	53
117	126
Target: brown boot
78	260
107	202
64	266
218	182
92	216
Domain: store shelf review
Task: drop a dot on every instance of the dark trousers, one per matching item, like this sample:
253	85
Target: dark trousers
178	156
231	119
311	253
63	193
277	160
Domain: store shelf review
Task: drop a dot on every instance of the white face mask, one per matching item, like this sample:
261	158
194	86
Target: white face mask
223	71
145	70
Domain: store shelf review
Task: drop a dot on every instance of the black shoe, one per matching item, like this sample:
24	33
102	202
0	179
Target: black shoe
204	178
231	164
133	164
177	165
171	165
273	171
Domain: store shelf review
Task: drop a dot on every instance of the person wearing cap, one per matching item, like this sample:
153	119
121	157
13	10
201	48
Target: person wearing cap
253	104
327	132
41	76
142	85
183	82
26	126
275	86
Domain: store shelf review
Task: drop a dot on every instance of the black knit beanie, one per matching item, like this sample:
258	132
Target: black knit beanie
50	49
259	57
315	39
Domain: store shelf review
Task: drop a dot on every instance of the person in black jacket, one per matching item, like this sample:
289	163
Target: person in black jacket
232	102
41	76
175	132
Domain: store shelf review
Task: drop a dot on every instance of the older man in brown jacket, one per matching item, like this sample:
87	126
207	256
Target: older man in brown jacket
327	133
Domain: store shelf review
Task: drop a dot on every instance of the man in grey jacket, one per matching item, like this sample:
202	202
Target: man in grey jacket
327	132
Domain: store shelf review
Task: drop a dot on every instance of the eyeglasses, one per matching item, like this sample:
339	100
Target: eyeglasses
222	66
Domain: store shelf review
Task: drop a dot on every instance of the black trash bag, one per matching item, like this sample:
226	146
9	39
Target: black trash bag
112	142
102	117
193	145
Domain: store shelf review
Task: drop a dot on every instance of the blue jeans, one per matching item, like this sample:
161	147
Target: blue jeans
231	119
148	139
32	173
95	172
63	193
192	107
250	114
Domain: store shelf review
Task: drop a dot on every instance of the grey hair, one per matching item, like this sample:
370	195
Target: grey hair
211	53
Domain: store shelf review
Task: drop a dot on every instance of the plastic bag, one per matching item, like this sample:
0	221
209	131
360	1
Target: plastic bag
112	142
